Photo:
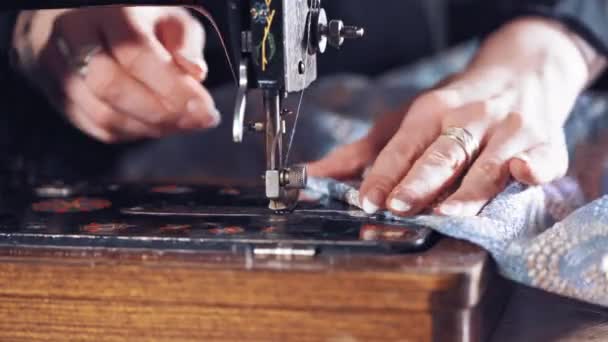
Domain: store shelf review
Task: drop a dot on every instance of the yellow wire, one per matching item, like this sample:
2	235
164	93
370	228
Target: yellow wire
266	33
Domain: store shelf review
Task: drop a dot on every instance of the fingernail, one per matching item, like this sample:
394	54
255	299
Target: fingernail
211	114
205	68
215	118
201	69
196	66
200	63
366	172
370	200
399	205
523	157
451	209
369	207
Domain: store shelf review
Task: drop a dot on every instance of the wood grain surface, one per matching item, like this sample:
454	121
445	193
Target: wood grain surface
448	293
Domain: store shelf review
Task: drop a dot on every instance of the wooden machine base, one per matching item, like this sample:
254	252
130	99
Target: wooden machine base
448	293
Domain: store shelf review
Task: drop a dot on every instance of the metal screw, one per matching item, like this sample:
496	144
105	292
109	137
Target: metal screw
255	126
352	32
295	177
301	68
337	32
314	4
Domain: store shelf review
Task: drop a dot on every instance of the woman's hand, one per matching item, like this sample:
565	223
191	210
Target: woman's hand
119	73
513	101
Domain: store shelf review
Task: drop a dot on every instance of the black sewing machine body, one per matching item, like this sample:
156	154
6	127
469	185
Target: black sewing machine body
180	217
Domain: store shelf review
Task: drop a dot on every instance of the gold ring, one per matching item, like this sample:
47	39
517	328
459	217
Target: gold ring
465	140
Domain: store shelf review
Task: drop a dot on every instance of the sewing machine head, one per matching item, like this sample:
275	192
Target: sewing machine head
275	43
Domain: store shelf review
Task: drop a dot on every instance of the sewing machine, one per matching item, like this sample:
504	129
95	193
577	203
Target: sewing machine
278	51
275	45
182	269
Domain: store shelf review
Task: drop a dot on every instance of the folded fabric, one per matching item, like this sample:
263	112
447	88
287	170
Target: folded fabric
569	258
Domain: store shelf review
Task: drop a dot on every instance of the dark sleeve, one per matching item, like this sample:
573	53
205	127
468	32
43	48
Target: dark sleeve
7	24
36	143
588	18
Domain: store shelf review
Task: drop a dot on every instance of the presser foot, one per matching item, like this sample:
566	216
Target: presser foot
286	203
283	187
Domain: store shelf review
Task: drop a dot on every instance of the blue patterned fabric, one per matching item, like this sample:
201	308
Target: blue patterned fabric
553	237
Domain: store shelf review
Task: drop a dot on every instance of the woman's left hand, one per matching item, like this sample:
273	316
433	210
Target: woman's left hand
511	102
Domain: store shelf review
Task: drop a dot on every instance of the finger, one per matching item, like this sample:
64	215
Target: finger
346	162
81	120
350	161
541	164
111	84
197	68
106	79
489	174
436	169
125	127
86	122
392	164
78	116
420	127
441	164
139	52
184	37
74	90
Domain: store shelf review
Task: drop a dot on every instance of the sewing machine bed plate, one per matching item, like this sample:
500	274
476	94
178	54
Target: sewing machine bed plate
181	217
173	263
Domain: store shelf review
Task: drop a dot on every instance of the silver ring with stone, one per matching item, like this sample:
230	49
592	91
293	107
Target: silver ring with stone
80	60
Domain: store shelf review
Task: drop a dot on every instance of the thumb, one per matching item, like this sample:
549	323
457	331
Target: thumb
345	162
350	161
542	163
184	37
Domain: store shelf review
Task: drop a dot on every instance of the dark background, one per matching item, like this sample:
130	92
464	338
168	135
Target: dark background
396	33
38	140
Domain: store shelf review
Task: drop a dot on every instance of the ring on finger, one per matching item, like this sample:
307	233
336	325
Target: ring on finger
465	140
80	60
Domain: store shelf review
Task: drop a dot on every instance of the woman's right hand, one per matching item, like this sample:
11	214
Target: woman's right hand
501	118
141	80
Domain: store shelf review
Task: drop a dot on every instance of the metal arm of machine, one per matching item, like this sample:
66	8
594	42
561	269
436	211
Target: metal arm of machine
278	42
